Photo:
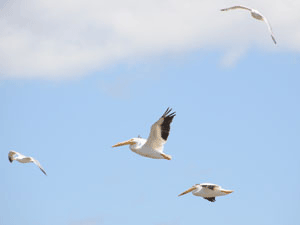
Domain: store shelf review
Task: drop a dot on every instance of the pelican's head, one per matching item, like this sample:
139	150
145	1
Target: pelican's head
11	156
195	187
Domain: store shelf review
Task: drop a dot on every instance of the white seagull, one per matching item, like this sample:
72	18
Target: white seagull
12	155
153	146
255	14
207	191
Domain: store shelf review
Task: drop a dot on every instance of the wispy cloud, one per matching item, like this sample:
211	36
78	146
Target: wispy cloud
60	39
232	56
118	88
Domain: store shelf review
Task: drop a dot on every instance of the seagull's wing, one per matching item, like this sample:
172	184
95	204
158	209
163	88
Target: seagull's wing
39	165
11	155
160	131
270	29
236	7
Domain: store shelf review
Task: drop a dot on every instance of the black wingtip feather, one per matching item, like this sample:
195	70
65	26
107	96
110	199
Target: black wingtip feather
44	172
166	112
165	126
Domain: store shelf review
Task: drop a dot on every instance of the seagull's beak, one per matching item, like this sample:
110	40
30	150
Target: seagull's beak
187	191
128	142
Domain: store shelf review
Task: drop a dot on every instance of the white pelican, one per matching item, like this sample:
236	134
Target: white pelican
12	155
153	146
207	191
255	14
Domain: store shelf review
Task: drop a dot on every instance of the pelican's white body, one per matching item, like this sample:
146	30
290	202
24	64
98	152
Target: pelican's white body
153	146
142	148
208	193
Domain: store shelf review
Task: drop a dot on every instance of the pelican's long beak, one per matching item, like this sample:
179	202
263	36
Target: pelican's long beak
187	191
227	191
128	142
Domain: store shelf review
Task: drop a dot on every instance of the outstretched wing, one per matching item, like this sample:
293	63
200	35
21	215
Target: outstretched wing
213	199
270	30
39	165
236	7
11	156
160	131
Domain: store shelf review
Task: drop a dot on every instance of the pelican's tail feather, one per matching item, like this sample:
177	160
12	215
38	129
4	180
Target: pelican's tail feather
167	157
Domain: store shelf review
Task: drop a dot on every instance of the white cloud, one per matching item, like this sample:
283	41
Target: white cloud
59	39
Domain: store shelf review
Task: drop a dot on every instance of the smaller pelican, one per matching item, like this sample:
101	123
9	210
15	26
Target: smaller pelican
153	146
256	15
207	191
12	155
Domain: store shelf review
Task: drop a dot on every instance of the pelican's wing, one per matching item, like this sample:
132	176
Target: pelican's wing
39	165
210	186
160	131
213	199
270	29
236	7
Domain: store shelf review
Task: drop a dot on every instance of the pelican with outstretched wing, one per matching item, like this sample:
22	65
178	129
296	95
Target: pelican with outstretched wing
153	146
207	191
255	14
12	155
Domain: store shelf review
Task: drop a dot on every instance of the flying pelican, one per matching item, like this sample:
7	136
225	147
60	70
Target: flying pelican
153	146
12	155
207	191
255	14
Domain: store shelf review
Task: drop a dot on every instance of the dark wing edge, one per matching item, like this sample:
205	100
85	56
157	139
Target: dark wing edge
212	199
273	39
167	120
39	165
43	171
211	187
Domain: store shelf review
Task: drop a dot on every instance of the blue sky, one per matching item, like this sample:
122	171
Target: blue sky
237	125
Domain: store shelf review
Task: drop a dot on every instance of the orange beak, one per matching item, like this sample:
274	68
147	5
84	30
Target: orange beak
187	191
128	142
